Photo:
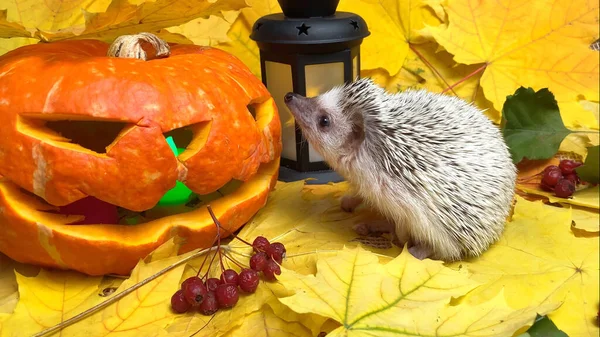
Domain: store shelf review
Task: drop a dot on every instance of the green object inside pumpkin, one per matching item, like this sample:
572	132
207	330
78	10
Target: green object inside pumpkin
180	194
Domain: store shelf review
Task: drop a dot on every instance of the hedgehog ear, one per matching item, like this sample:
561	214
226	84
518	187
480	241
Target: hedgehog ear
358	130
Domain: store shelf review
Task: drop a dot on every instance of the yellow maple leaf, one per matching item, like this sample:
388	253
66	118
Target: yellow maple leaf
588	197
3	317
141	313
265	323
593	107
53	297
7	45
13	34
239	43
123	17
204	32
428	68
576	143
8	285
405	297
393	25
528	43
53	15
9	294
585	219
47	299
10	29
539	260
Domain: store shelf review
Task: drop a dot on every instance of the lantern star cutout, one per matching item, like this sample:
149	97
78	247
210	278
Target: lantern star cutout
354	24
303	29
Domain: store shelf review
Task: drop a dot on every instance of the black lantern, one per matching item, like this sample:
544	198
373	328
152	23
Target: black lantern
307	49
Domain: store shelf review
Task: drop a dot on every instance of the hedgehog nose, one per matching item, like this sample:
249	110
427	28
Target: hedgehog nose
288	97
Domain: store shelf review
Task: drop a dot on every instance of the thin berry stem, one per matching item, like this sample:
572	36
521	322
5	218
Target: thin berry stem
234	261
219	245
204	261
478	70
431	67
210	264
218	223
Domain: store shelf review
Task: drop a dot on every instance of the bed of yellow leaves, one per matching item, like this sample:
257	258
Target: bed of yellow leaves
334	281
547	262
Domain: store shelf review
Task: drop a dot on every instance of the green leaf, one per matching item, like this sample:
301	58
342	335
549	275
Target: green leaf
544	327
589	171
532	126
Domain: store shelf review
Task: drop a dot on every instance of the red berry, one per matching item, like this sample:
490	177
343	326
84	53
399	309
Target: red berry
227	295
546	187
248	280
260	244
179	303
194	290
210	305
573	177
258	261
564	188
276	251
212	283
271	269
551	175
229	276
188	280
568	166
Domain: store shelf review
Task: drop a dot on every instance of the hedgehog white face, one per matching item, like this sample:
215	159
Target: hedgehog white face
327	127
334	122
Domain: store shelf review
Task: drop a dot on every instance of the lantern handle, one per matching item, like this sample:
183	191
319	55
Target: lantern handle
142	46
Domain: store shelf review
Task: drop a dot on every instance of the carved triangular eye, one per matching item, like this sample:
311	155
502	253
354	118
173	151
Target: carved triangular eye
93	135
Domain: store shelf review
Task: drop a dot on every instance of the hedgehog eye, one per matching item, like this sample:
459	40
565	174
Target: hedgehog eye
324	121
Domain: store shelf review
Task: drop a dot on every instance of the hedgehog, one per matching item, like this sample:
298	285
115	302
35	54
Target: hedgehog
434	166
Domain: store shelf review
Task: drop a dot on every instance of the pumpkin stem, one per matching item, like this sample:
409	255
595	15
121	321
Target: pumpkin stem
142	46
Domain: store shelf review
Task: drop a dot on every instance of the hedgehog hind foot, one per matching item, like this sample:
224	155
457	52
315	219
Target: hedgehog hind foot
349	202
420	252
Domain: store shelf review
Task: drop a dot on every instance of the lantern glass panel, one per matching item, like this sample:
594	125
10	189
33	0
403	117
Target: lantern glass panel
355	67
278	78
322	77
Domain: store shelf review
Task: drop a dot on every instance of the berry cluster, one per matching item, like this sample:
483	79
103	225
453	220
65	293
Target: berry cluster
267	257
561	179
209	294
215	293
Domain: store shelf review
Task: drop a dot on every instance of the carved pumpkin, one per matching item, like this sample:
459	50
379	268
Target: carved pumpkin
84	149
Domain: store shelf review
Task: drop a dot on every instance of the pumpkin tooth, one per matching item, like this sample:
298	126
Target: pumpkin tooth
182	172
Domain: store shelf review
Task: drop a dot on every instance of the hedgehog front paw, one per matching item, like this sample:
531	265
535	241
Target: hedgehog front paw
377	226
421	252
350	202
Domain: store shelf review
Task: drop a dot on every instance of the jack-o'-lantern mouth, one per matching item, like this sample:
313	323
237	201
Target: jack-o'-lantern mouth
92	211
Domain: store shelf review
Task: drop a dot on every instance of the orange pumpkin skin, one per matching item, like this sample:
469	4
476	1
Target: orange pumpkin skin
203	88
